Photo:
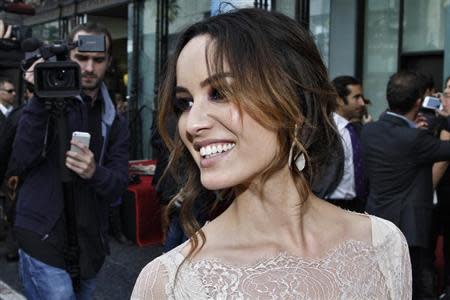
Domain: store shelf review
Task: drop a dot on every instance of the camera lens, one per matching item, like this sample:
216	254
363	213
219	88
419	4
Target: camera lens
59	78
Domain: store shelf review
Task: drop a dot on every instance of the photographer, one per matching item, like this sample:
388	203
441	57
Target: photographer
101	173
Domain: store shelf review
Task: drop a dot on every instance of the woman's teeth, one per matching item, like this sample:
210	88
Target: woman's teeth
210	150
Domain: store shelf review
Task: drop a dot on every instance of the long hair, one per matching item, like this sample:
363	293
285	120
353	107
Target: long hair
279	80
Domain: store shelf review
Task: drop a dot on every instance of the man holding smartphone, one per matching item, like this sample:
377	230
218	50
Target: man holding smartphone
101	174
401	161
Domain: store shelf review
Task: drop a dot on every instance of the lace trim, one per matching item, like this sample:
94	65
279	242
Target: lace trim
351	270
284	254
286	276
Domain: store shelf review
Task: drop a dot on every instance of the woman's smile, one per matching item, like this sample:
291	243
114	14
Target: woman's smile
213	153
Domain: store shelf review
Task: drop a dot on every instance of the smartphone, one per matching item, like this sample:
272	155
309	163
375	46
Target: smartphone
82	137
432	103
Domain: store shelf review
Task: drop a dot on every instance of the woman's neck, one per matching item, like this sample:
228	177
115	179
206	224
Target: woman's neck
273	209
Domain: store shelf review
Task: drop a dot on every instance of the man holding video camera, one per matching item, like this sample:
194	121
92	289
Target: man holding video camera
101	174
399	161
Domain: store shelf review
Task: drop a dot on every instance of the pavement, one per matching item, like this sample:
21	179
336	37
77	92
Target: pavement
115	280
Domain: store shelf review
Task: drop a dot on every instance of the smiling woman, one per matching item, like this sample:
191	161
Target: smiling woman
253	103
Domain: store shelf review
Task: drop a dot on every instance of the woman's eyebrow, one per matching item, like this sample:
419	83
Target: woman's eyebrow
181	89
213	78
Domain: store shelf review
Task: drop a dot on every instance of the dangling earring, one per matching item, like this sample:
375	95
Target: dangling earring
300	161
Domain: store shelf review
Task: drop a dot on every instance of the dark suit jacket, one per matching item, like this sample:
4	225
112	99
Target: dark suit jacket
398	161
3	148
2	120
7	134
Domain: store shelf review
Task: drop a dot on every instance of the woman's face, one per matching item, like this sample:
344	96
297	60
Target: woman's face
229	148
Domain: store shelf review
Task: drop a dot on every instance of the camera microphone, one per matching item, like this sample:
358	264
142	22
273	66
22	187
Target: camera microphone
31	44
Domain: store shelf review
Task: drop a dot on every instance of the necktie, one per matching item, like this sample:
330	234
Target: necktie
360	185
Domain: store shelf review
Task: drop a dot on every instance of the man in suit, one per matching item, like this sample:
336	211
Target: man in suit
7	99
9	178
398	160
347	189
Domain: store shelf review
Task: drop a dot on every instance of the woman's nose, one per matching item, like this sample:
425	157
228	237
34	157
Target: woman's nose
198	117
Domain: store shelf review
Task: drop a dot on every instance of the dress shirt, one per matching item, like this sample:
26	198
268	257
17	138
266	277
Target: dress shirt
346	187
410	123
5	110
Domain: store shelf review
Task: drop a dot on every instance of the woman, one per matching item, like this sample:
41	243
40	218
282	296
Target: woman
253	103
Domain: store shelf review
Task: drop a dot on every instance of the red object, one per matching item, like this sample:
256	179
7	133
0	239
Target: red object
20	8
145	210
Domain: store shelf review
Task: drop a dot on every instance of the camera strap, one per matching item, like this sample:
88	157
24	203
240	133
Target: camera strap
47	127
72	249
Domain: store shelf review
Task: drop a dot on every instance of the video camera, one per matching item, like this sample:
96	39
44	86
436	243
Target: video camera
60	78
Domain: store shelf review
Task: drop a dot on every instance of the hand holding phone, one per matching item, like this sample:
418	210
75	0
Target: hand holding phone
432	103
80	161
81	137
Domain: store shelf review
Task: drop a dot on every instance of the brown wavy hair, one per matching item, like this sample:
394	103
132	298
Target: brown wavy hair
279	79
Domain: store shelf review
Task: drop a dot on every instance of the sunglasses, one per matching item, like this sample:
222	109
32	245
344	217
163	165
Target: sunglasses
8	91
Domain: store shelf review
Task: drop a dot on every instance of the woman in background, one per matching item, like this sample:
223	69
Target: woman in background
253	103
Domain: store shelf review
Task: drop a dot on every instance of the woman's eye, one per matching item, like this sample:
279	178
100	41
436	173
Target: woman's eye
215	95
183	104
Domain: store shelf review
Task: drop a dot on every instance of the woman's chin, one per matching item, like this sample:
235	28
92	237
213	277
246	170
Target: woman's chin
215	184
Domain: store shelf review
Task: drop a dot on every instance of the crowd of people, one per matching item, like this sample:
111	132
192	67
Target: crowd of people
276	181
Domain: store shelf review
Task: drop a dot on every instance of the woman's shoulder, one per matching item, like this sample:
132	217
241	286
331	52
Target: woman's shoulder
385	232
153	280
169	261
390	251
372	229
393	257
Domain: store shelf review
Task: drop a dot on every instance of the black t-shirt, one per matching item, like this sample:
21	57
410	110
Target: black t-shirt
48	249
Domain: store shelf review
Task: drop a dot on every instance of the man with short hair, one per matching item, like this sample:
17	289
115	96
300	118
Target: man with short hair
398	160
101	174
348	189
350	97
7	99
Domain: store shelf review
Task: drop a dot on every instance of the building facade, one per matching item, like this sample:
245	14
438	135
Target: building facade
369	39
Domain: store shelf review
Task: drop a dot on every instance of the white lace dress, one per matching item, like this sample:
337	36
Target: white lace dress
352	270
